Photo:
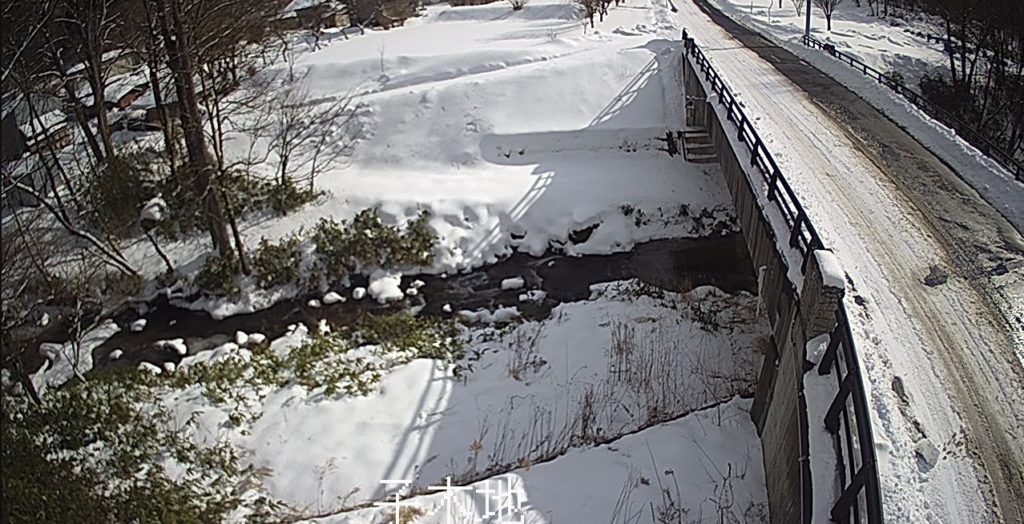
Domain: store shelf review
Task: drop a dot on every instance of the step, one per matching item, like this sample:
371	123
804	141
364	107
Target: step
699	148
696	135
702	159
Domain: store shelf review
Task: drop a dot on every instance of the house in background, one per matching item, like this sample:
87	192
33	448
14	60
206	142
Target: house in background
312	14
30	128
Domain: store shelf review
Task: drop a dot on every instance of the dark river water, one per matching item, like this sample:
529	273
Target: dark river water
673	264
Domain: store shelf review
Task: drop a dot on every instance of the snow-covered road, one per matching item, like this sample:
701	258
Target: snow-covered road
941	363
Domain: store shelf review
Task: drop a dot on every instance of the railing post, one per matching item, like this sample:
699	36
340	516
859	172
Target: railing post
829	358
773	183
798	222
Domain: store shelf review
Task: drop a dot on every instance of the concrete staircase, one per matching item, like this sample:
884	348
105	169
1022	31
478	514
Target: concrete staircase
697	146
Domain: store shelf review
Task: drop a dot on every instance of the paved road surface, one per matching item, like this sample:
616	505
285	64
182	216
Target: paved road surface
948	356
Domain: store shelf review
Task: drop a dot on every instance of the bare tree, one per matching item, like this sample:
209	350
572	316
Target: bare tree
590	9
827	8
88	32
30	18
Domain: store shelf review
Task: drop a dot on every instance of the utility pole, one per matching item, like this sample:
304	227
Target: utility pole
807	21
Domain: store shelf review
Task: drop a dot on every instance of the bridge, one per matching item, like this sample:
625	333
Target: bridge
844	228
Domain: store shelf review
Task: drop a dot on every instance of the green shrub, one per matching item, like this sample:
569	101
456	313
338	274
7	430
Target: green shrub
217	277
277	264
343	248
423	337
235	382
331	362
95	452
354	361
117	192
417	244
287	197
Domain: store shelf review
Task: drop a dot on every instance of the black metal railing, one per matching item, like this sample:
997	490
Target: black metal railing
848	418
962	129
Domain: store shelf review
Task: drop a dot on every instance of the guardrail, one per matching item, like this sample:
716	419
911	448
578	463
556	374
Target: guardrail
968	132
847	418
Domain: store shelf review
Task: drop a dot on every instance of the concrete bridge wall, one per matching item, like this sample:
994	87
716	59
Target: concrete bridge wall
779	410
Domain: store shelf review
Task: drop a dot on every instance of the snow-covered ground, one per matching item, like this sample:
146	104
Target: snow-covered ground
628	358
701	468
887	44
921	349
513	129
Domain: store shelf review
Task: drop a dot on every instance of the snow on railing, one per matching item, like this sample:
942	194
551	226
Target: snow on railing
847	419
964	130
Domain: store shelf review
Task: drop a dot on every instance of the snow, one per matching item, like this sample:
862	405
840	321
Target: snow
313	303
385	286
512	283
358	293
687	457
332	298
70	358
256	339
447	308
890	46
903	335
501	315
421	421
138	325
468	119
819	390
115	354
150	368
535	295
153	210
832	274
176	345
241	338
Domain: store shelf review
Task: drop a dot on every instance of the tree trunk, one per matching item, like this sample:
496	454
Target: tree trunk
180	61
99	100
83	122
153	64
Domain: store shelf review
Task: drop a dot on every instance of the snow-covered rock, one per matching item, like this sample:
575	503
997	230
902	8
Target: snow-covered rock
138	325
447	308
358	293
534	295
332	298
150	368
50	351
256	339
241	338
313	303
416	284
385	286
502	315
170	367
512	283
411	292
155	210
115	354
176	345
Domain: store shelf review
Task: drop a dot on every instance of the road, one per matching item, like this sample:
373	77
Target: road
943	363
